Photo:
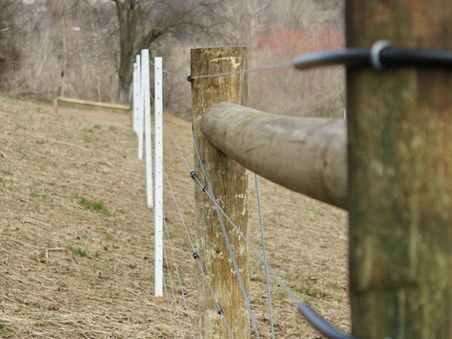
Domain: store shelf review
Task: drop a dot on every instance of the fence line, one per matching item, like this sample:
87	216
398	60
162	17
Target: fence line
219	126
196	257
220	215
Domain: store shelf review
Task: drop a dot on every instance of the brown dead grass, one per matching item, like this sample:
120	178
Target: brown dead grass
76	272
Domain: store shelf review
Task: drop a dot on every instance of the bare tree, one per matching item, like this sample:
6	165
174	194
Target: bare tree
9	53
143	22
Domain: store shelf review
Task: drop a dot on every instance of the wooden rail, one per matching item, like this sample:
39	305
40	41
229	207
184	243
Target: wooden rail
306	155
79	102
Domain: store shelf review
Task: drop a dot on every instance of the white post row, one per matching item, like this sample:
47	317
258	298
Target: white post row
134	99
158	172
140	109
147	124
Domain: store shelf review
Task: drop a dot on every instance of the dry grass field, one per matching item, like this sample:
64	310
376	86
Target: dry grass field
76	238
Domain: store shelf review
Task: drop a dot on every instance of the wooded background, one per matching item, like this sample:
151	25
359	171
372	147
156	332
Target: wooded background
85	48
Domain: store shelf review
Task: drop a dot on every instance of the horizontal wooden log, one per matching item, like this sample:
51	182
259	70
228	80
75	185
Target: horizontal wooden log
93	104
306	155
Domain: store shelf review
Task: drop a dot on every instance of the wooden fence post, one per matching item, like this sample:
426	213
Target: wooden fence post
229	183
400	176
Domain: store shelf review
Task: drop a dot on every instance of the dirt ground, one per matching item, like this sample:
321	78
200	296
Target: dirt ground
76	238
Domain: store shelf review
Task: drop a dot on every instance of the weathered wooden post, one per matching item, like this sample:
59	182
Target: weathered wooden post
229	182
400	176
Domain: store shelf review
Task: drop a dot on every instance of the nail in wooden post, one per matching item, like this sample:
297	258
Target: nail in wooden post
400	176
229	182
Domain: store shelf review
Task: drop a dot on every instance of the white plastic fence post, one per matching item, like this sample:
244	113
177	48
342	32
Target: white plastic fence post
140	115
134	99
147	124
158	172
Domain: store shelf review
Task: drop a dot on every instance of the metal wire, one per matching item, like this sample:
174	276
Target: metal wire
290	293
196	256
387	57
181	330
318	322
167	132
172	308
264	255
262	68
251	245
228	244
176	268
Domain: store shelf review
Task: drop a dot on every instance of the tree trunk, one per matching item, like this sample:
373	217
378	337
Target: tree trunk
127	20
123	91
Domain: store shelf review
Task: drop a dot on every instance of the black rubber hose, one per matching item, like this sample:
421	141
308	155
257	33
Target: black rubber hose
389	58
320	323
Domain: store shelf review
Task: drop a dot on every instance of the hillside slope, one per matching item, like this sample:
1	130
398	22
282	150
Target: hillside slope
76	244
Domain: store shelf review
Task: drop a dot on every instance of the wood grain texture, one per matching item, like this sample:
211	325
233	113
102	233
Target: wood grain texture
229	183
306	155
400	172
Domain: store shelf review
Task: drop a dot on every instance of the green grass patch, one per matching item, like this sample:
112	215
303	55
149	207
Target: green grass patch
37	191
79	251
313	292
93	205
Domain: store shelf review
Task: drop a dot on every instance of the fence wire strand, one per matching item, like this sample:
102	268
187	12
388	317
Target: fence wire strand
176	306
264	255
228	244
251	245
308	61
196	256
172	308
176	269
291	294
261	68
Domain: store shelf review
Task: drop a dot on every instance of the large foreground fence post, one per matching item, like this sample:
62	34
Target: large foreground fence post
400	176
229	184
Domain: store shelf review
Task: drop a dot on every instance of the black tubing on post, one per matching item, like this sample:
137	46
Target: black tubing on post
389	58
349	57
320	323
